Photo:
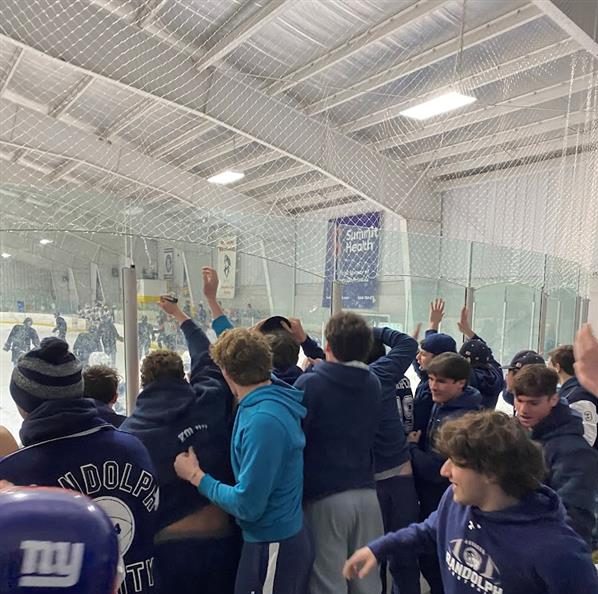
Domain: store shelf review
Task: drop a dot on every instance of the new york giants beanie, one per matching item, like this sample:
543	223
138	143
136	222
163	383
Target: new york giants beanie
49	372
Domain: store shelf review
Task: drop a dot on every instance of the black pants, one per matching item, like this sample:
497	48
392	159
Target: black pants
400	507
197	566
282	567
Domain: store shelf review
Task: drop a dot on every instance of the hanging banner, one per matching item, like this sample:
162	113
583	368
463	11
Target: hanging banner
227	267
168	263
352	255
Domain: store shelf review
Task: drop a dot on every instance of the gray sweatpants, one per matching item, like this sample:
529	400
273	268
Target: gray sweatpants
340	524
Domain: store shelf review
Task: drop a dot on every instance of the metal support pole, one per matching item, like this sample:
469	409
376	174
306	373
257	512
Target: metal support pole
129	277
542	322
585	311
336	303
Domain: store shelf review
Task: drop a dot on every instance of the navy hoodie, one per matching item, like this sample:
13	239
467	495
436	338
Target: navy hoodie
572	466
586	405
524	549
343	402
69	446
171	415
426	461
489	381
391	448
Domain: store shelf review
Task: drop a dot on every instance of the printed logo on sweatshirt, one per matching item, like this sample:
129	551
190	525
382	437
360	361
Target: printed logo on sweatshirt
469	563
51	564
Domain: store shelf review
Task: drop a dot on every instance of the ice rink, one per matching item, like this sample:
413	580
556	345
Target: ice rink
9	416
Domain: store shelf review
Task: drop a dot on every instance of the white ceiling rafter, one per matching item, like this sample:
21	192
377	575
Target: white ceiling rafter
129	117
510	105
523	63
242	33
12	68
65	169
217	151
532	151
181	140
273	178
148	12
498	26
345	50
305	200
300	190
72	96
518	133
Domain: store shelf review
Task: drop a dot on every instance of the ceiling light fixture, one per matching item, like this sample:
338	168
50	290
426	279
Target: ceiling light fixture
45	241
5	255
438	105
226	177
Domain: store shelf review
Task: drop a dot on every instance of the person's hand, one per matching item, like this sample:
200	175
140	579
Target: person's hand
436	313
586	359
295	329
361	562
187	467
210	282
464	325
415	334
168	307
5	485
414	436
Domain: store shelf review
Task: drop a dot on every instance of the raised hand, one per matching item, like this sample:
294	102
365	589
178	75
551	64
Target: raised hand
586	359
464	324
172	309
210	282
436	313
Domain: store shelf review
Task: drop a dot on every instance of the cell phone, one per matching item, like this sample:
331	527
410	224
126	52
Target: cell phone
170	298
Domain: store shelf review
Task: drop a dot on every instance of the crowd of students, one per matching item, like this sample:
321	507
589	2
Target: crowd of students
251	474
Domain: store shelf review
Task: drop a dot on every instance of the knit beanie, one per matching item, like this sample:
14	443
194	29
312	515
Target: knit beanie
438	343
48	372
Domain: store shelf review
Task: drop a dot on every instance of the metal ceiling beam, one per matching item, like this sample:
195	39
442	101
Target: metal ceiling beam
299	190
129	117
578	18
273	178
49	136
532	151
72	96
498	26
242	33
180	140
303	201
519	133
517	65
345	50
148	13
258	160
222	149
511	105
12	68
66	168
92	44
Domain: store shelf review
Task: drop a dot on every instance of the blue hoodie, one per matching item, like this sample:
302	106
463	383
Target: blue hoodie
525	549
170	416
391	449
267	460
343	404
426	461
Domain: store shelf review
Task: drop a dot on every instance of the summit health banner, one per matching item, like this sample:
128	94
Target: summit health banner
352	255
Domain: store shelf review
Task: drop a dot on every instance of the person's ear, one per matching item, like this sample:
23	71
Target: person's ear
554	400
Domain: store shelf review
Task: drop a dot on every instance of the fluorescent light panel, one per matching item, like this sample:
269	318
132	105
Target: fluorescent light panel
5	255
438	105
45	241
226	177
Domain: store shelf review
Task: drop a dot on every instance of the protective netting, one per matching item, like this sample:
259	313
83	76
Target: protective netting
114	113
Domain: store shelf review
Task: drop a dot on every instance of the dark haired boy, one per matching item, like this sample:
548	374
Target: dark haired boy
497	529
343	401
572	463
448	375
101	385
562	360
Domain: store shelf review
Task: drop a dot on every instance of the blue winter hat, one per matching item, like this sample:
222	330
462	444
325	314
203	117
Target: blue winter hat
439	343
49	372
477	352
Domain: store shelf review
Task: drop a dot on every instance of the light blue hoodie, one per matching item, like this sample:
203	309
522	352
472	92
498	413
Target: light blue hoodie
267	460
